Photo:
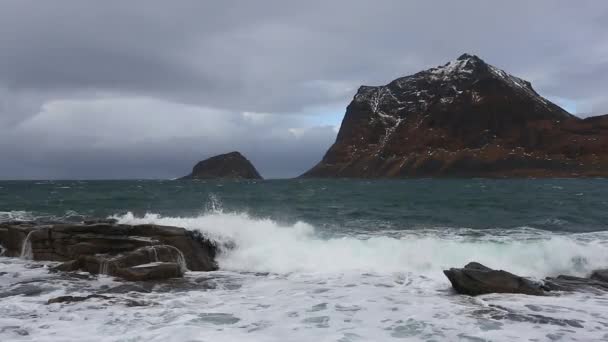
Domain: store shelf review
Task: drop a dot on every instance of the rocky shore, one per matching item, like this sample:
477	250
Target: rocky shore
154	252
130	252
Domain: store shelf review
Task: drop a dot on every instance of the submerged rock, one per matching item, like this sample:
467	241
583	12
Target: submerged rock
476	279
72	299
22	290
111	248
572	284
76	299
126	288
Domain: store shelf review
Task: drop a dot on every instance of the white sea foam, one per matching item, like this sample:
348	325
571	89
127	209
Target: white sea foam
264	245
291	307
360	287
15	215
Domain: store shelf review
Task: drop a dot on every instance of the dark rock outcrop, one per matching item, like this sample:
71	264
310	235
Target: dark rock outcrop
73	299
76	299
463	119
573	284
145	263
139	252
476	279
600	275
231	165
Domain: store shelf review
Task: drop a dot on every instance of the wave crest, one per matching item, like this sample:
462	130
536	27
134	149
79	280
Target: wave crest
263	245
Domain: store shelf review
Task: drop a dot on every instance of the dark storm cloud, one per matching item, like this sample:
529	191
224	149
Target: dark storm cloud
145	88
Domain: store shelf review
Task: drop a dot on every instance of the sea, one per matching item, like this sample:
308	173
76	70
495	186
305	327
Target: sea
322	260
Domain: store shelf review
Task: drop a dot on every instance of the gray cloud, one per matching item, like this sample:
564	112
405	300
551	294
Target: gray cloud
145	88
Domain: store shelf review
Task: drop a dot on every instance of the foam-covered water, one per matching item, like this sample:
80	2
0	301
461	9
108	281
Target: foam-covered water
262	245
316	266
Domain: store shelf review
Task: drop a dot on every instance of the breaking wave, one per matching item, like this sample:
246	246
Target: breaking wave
263	245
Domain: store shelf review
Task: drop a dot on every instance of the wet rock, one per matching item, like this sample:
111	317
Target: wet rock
112	300
126	288
152	271
476	279
600	275
145	263
96	221
572	284
497	312
68	266
73	299
90	246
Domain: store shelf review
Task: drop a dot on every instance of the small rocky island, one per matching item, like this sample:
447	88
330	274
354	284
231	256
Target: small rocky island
231	165
466	118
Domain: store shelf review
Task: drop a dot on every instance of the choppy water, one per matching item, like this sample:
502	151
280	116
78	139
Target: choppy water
324	260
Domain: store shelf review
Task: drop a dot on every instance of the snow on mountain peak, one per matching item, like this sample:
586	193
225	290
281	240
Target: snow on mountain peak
443	84
464	65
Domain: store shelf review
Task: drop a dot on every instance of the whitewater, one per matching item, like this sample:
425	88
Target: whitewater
309	278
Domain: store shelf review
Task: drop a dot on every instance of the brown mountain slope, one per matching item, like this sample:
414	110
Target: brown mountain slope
464	119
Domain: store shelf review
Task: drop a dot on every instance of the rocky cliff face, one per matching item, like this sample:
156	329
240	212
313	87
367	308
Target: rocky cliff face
464	119
231	165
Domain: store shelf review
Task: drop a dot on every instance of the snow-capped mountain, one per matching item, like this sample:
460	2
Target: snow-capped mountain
465	118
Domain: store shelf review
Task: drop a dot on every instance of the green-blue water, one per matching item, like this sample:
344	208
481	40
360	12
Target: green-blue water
323	260
569	205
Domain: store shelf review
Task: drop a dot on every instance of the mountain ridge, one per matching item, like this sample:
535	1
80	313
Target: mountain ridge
464	118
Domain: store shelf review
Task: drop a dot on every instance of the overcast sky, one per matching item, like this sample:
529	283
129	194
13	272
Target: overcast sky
144	89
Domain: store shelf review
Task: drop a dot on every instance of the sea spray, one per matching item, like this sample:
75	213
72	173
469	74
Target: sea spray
26	247
104	267
266	246
179	258
176	256
154	253
214	204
